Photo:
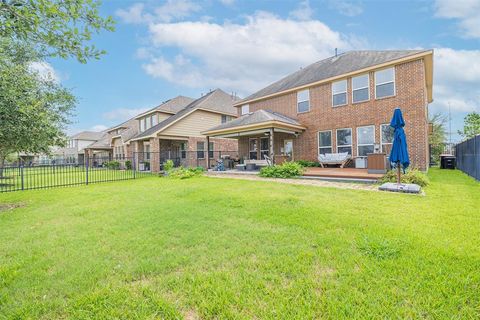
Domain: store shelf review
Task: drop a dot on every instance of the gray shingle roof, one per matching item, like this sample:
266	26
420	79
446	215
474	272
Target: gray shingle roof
256	117
216	100
88	135
331	67
172	106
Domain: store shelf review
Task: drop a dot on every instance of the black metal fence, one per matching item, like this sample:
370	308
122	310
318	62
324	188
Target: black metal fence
468	156
23	175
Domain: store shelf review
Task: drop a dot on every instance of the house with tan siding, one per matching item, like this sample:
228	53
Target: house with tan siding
340	104
179	137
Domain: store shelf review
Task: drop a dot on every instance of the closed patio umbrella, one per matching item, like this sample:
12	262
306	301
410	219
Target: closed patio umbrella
399	153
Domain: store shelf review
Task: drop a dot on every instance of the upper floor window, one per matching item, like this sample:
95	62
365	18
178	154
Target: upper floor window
360	88
385	83
303	101
245	109
226	118
339	93
365	140
142	125
154	120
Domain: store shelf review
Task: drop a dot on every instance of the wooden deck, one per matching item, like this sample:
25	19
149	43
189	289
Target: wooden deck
341	173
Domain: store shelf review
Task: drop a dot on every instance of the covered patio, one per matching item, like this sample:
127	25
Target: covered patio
261	134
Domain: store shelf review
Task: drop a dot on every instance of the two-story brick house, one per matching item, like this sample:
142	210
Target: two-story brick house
340	104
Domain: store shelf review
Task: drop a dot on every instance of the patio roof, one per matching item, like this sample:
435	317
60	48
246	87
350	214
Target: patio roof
256	122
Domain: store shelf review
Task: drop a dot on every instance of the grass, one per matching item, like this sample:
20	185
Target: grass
220	248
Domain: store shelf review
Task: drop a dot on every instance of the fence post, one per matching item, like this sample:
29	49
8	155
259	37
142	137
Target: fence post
22	176
134	164
86	170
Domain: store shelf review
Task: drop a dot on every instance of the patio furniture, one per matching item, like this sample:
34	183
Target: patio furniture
250	166
241	167
361	162
341	159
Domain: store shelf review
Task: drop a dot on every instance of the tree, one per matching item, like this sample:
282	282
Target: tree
34	110
471	125
439	135
58	28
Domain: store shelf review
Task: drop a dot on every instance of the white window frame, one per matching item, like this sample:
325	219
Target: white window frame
346	93
343	146
318	141
251	151
268	146
367	87
363	145
154	119
245	109
299	101
381	136
142	125
379	84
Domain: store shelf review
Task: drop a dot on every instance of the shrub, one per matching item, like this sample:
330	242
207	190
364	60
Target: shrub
185	173
168	166
113	164
285	170
128	165
306	163
411	176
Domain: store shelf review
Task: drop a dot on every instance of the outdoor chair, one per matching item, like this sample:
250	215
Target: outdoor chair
341	159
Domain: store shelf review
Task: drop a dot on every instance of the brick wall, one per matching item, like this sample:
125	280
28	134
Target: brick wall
410	97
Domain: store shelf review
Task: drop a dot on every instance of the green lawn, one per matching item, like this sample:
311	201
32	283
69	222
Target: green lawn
218	248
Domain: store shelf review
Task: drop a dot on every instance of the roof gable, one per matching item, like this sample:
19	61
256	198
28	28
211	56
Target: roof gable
331	67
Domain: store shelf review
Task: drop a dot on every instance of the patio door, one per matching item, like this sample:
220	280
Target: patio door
264	147
288	148
253	147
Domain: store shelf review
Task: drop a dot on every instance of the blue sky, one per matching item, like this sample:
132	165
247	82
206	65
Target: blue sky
161	49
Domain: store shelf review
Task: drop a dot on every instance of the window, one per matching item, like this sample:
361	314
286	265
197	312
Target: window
325	142
245	109
210	150
154	120
385	83
183	150
303	101
142	125
365	140
200	150
148	122
253	148
386	137
339	93
344	140
264	147
146	150
226	118
360	88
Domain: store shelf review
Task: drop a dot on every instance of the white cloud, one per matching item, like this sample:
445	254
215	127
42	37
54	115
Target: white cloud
347	8
303	12
467	12
45	71
241	57
122	114
171	10
456	79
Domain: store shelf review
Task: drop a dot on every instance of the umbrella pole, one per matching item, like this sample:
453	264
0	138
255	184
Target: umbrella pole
398	173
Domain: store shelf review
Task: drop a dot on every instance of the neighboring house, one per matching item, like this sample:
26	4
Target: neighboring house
340	104
115	142
180	137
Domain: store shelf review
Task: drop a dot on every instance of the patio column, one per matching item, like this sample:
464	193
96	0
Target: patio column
271	146
208	152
